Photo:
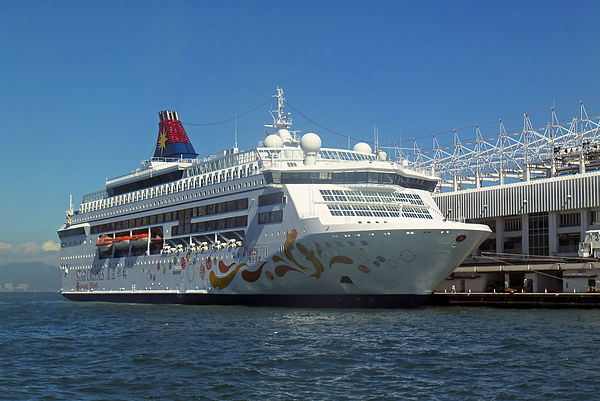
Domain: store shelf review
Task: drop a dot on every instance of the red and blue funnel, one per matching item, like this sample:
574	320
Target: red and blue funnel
172	141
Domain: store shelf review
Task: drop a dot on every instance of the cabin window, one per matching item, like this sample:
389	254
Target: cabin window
270	198
71	232
275	216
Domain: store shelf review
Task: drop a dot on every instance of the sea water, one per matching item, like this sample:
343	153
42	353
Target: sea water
55	349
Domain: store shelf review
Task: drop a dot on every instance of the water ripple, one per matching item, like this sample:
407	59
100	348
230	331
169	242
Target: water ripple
56	349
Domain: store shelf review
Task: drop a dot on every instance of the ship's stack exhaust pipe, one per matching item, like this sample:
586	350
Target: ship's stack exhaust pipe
168	115
172	141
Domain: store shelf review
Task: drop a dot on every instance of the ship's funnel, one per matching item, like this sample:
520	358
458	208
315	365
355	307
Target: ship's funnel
172	141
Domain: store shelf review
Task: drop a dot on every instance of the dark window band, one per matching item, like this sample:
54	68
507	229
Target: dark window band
275	216
182	215
347	177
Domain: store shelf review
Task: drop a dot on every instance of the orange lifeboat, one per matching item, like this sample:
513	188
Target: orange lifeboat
105	243
141	240
121	242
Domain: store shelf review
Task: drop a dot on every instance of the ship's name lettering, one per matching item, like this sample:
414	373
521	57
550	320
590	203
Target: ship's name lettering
87	275
115	272
86	286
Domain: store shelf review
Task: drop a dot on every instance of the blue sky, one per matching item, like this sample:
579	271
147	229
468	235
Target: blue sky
82	81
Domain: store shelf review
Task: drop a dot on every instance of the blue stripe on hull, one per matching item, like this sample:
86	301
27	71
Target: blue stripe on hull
295	301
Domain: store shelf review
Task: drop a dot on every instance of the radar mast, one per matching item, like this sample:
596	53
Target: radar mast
282	120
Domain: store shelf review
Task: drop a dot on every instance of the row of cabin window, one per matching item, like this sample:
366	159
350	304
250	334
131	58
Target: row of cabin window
183	214
180	186
211	225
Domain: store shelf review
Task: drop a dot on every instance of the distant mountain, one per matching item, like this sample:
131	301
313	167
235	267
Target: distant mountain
33	276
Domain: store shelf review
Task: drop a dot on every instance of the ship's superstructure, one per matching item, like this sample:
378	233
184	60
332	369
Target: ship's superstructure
287	223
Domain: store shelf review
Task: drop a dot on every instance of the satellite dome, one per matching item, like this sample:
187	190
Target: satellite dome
310	143
362	147
273	141
382	155
284	134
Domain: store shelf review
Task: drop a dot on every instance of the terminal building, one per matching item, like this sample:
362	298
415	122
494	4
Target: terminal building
538	189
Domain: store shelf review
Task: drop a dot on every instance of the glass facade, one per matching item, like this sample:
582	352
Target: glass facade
347	177
378	211
538	234
358	196
332	154
325	154
363	203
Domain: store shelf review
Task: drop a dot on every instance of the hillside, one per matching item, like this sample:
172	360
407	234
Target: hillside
34	276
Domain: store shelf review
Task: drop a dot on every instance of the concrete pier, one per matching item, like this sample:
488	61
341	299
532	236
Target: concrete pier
517	299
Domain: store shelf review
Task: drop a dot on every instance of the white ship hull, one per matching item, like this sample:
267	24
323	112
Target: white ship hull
288	224
396	268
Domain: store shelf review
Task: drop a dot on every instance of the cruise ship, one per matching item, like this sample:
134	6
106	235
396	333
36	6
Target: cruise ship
289	223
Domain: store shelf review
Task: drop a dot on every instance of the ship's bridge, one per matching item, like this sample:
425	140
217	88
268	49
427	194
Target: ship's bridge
288	165
268	154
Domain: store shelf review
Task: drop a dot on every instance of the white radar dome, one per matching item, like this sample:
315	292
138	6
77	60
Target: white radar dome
382	155
273	141
310	143
362	148
285	135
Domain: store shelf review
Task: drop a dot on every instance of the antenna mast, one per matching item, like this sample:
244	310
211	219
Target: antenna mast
282	121
235	143
375	139
70	213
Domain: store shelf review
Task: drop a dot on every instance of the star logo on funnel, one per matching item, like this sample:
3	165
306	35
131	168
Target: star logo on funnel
162	142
